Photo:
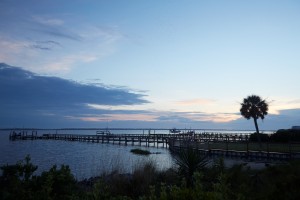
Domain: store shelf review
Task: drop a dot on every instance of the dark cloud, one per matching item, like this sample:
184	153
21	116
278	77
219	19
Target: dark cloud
25	94
31	100
59	33
45	45
284	120
291	113
35	46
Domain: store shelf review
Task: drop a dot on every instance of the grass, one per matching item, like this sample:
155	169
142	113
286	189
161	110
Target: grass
140	151
252	146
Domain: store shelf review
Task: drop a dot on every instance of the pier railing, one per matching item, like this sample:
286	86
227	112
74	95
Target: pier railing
240	148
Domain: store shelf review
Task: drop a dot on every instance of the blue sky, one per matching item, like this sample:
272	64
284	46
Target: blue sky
159	64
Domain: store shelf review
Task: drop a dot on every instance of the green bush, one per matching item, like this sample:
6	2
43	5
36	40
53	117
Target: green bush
18	182
146	183
286	135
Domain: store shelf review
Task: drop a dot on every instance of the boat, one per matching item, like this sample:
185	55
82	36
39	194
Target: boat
103	132
174	130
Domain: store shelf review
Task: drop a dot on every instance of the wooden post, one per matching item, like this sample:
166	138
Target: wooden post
227	140
268	150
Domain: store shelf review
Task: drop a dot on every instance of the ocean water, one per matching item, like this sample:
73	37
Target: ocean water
87	159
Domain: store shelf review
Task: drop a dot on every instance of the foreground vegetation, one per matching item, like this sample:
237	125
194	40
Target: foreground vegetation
280	136
191	178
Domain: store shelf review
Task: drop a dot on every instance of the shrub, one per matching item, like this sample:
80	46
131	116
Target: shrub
18	182
286	135
190	161
263	137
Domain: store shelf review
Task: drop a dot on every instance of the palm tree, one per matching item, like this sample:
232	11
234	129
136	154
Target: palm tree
254	107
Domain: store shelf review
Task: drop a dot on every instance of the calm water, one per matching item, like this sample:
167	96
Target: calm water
85	159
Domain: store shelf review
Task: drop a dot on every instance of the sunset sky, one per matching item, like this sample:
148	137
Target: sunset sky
141	64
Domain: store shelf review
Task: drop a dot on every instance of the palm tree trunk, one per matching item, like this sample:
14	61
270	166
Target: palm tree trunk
257	132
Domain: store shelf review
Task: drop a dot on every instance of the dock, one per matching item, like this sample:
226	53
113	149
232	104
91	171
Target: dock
149	140
212	144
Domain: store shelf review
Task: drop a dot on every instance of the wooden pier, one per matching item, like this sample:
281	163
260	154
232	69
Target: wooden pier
213	144
149	140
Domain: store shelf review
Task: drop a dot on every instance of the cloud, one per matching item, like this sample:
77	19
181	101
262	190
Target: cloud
276	106
45	45
199	117
135	108
174	118
52	27
56	48
56	41
215	117
47	21
59	33
27	87
116	117
291	112
9	49
193	102
28	99
26	93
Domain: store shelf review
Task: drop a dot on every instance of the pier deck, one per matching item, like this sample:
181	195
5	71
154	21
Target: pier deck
212	144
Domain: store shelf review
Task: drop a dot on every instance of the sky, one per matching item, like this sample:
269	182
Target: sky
148	64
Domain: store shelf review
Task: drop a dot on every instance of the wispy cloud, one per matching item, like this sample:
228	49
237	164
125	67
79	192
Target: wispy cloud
58	33
103	34
276	106
11	49
51	26
65	64
47	20
45	45
218	117
118	107
193	102
200	116
87	43
115	117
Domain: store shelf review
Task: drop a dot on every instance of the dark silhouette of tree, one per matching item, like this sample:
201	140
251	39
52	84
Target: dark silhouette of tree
254	107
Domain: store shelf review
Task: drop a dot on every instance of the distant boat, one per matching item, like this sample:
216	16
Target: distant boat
104	132
174	130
